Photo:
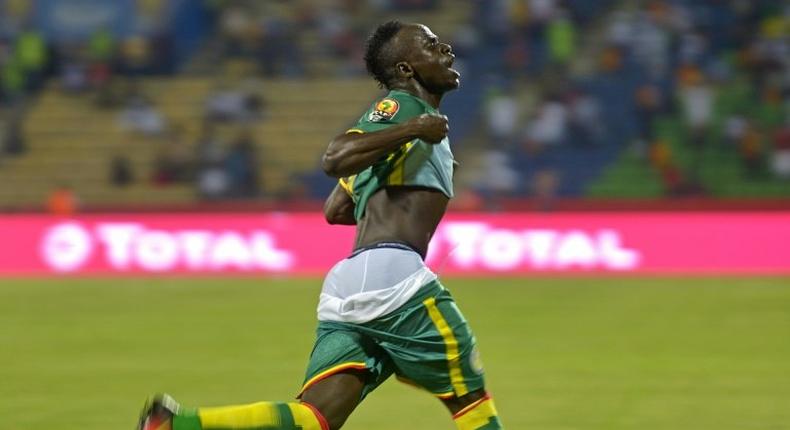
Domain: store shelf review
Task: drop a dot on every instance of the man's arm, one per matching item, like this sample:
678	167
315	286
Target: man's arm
351	153
339	207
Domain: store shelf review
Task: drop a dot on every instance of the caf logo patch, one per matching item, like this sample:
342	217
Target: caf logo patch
384	110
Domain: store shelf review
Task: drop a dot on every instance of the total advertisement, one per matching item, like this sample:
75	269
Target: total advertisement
464	244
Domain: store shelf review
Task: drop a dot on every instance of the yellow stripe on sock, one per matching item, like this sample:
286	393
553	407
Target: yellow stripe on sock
453	357
481	414
242	416
304	417
258	415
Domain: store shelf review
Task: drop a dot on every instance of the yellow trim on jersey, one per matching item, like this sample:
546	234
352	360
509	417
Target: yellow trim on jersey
396	177
451	343
355	130
331	371
347	184
443	396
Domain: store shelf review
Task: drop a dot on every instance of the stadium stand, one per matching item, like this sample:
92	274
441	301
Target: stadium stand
560	99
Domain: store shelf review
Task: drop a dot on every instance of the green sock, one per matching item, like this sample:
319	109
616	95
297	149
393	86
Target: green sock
187	421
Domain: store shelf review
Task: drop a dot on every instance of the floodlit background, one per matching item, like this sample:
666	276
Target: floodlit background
624	164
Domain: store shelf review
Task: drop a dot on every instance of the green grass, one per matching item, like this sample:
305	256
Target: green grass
598	353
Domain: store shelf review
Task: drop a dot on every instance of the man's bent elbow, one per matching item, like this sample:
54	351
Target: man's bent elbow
339	219
329	164
330	218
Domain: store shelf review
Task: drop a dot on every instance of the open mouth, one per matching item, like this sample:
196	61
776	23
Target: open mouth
449	65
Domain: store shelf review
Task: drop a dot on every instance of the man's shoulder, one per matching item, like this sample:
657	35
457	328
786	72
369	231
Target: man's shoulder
396	106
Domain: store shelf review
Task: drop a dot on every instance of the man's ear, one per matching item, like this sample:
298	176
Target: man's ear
404	69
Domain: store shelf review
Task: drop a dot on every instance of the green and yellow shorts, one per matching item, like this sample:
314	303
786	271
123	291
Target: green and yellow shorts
426	343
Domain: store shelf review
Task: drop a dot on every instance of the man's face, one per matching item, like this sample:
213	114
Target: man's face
431	60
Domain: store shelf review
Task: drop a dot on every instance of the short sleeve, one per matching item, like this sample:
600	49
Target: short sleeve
390	110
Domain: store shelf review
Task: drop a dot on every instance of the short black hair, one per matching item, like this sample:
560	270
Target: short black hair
377	57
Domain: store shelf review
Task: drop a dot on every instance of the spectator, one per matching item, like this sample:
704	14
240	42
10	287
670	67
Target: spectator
241	166
141	116
541	11
502	115
697	98
751	151
562	39
121	172
780	159
102	49
499	178
213	182
32	56
209	150
549	127
12	81
236	27
650	44
173	162
12	140
278	53
545	187
74	77
648	103
674	180
102	46
586	124
135	56
62	201
735	128
227	103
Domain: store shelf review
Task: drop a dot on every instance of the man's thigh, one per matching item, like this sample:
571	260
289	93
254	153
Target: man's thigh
338	349
431	345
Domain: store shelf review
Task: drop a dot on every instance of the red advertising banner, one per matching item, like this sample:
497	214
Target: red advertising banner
288	243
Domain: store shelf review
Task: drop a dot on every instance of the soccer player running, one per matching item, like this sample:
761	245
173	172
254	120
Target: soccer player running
381	310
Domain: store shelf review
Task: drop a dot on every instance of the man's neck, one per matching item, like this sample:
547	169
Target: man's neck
420	92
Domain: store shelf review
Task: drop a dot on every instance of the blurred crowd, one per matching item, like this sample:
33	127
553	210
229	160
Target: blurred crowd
680	85
563	91
570	87
221	160
100	64
276	37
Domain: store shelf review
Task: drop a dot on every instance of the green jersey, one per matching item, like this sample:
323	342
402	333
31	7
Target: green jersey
415	163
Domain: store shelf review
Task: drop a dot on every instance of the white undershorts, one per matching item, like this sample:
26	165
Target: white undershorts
371	284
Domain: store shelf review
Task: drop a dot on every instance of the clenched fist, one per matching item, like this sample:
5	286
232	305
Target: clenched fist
430	128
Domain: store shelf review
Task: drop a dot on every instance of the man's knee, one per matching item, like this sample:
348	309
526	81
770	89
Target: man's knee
336	397
456	404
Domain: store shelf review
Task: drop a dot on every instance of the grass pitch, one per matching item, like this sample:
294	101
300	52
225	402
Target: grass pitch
597	353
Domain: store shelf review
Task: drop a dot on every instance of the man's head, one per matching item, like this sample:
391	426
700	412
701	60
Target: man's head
403	55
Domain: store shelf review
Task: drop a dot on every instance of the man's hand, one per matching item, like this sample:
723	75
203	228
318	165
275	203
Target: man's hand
430	128
339	207
350	153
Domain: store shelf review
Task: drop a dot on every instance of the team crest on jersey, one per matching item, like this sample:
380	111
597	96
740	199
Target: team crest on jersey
384	110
